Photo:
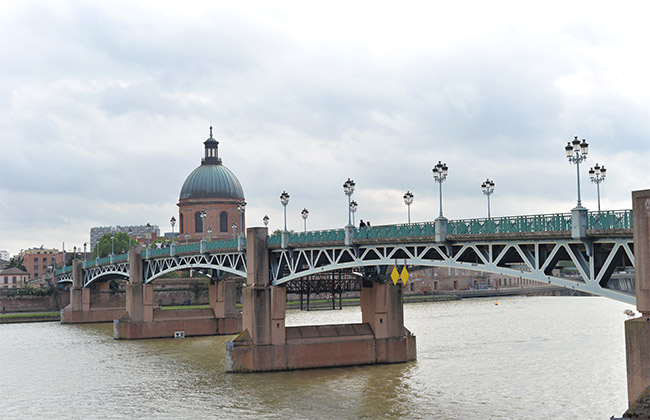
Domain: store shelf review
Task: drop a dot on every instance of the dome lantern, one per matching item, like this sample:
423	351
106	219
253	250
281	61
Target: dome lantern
211	151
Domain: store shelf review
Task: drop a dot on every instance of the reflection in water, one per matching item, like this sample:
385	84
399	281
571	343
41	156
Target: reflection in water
543	357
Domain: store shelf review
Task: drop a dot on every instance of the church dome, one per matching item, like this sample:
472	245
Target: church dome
211	179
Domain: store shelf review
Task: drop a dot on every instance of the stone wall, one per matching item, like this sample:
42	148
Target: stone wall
30	303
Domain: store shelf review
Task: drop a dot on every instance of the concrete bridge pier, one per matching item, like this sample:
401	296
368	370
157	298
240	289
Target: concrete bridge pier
143	320
637	330
81	310
266	344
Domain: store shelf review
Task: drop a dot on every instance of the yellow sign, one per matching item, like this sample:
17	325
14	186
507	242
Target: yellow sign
396	276
404	276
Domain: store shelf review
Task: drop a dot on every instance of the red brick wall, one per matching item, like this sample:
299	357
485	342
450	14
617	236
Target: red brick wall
213	208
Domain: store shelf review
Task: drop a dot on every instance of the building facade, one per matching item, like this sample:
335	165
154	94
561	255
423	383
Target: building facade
13	278
214	191
429	280
38	261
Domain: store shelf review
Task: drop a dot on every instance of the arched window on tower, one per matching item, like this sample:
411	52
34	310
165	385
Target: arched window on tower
223	222
198	222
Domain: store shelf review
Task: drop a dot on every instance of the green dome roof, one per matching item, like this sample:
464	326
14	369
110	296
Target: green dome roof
211	181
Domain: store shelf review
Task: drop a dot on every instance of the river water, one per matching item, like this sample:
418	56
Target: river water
523	358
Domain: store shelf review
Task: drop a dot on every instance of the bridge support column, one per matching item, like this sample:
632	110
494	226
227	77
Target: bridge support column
637	331
80	309
266	344
579	222
142	320
441	229
382	308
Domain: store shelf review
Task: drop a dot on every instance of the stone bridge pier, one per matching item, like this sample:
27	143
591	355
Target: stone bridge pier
637	330
266	344
143	320
86	306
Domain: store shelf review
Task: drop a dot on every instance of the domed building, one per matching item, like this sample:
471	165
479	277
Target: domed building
212	188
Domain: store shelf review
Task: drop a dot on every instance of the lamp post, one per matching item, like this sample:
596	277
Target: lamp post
576	152
348	189
440	172
305	214
173	223
241	207
408	200
265	219
130	232
210	234
488	188
112	243
187	237
284	199
202	215
85	244
234	230
353	209
74	252
597	175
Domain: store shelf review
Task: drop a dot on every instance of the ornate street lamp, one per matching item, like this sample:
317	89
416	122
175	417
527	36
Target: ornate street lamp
240	208
187	237
203	215
265	219
305	214
85	244
112	243
130	232
348	189
234	230
353	209
488	188
408	200
576	152
173	223
210	234
597	175
284	199
74	252
440	172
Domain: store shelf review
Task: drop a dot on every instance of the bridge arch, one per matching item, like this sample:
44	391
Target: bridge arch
532	259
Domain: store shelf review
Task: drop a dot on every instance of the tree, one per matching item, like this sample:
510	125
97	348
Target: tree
17	262
104	246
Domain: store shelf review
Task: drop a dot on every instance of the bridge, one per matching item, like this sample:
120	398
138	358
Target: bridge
535	247
593	245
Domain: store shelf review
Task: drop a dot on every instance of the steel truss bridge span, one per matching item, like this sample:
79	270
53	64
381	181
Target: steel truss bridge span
233	262
535	259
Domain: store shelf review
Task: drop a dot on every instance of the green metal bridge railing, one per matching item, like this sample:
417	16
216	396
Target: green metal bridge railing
603	220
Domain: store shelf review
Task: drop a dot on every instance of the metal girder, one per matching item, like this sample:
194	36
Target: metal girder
536	259
230	262
531	259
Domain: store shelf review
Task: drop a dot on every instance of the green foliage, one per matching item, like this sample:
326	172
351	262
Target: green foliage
30	291
17	262
120	243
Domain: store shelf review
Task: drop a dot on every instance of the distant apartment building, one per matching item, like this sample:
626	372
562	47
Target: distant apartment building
13	278
139	233
38	261
4	255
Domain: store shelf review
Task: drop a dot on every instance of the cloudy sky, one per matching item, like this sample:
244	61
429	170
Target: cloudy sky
104	107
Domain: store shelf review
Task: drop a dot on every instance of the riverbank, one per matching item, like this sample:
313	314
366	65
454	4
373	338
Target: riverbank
324	304
17	318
